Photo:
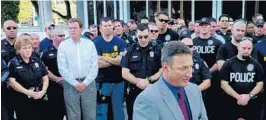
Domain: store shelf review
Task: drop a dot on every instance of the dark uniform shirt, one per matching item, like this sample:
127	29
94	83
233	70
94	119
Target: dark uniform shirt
128	39
28	74
45	43
142	62
49	58
257	39
4	71
226	36
229	50
242	75
7	50
169	35
110	49
261	50
207	48
200	70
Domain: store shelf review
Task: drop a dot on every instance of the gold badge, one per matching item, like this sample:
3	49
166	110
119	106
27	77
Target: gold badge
115	48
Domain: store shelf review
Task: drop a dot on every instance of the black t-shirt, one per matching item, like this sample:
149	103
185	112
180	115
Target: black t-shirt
229	50
27	74
261	50
49	58
169	35
242	75
257	39
226	36
7	50
207	48
142	62
200	70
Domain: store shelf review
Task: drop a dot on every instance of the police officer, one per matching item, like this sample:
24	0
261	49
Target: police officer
223	27
119	32
140	66
229	49
36	43
46	42
4	76
165	34
56	104
242	81
7	53
260	47
207	46
110	83
29	80
259	31
201	74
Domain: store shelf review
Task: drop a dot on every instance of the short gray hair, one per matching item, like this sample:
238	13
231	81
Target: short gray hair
172	49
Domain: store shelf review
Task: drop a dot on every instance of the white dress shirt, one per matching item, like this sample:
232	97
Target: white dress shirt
77	59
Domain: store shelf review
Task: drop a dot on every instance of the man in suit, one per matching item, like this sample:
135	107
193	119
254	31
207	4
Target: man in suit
173	97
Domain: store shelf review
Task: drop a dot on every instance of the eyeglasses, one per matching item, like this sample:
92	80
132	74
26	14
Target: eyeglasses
246	38
162	20
190	46
154	31
9	28
61	35
145	37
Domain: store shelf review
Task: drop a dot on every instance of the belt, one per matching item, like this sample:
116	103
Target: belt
80	79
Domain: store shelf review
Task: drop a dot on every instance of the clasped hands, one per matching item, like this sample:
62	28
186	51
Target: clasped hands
142	83
243	99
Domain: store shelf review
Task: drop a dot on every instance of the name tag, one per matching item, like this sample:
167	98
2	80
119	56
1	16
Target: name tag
264	59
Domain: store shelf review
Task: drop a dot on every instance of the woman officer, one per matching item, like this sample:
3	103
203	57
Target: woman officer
29	80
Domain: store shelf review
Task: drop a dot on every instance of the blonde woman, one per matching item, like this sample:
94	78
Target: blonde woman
29	80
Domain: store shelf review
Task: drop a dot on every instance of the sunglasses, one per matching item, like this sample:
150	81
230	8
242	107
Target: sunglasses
154	31
190	46
9	28
162	20
60	35
145	37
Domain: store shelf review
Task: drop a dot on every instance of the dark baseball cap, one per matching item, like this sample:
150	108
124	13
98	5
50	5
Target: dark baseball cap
260	22
204	21
185	34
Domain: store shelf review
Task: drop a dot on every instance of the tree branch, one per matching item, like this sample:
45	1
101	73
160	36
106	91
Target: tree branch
59	14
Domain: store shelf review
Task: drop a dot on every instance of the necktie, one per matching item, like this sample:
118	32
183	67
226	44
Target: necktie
182	105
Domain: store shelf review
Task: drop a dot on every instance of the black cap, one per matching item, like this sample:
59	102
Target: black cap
260	22
204	21
185	34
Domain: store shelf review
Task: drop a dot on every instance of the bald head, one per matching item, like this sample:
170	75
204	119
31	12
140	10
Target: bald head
188	42
11	29
244	49
238	30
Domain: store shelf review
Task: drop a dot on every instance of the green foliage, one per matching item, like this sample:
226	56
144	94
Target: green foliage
9	10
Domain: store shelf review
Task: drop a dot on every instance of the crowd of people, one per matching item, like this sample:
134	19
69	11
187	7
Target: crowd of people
161	69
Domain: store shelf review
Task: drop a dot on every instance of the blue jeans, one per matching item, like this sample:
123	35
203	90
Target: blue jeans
116	91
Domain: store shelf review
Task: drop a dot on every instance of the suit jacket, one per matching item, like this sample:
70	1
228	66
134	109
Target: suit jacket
157	102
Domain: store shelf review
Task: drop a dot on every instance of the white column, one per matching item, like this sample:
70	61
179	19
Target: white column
219	8
80	11
86	17
169	9
243	8
94	12
125	10
115	10
45	13
192	10
121	16
147	8
104	8
214	9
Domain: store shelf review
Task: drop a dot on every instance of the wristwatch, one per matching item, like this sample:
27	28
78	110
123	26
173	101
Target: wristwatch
251	96
149	79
